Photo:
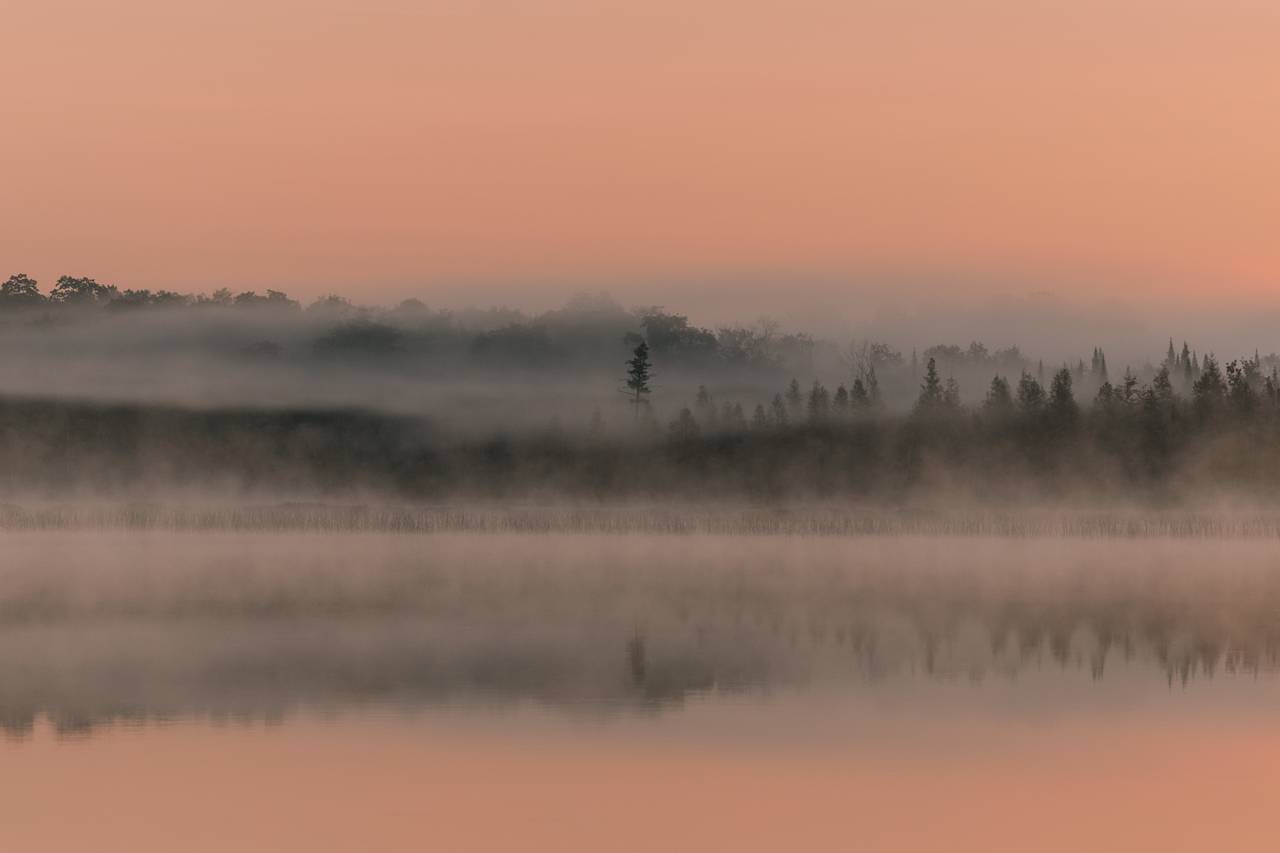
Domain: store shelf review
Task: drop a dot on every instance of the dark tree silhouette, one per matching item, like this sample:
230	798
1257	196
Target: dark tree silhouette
82	291
1031	396
930	400
20	291
1062	408
639	372
840	402
1209	389
999	400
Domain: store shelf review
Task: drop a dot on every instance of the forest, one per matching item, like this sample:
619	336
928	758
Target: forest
595	402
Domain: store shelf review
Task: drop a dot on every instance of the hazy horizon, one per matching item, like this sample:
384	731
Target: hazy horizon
774	158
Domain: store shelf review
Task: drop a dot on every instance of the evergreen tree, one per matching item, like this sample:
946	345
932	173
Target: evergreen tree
1162	387
1271	388
1062	403
1209	389
639	372
931	391
840	403
1239	388
759	420
1031	397
819	403
859	399
1105	398
1127	392
999	400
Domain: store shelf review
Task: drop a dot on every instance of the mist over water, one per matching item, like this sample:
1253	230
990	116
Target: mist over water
105	627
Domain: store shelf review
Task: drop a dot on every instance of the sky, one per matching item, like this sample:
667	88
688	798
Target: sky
861	157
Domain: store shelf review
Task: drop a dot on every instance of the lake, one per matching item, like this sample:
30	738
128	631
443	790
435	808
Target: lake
237	690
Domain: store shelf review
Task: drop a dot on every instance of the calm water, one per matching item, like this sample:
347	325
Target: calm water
463	692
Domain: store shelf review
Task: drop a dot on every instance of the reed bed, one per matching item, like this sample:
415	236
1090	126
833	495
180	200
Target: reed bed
671	520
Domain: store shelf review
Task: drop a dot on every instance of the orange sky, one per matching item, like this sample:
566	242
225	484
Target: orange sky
388	147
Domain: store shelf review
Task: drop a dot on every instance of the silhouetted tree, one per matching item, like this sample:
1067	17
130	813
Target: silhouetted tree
1062	408
1031	396
999	400
20	291
674	340
930	400
1240	390
859	399
840	402
819	406
82	291
638	376
1209	389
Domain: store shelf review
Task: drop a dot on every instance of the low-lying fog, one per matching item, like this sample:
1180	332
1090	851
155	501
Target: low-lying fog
102	626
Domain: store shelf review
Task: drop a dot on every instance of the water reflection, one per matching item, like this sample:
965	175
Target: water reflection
141	628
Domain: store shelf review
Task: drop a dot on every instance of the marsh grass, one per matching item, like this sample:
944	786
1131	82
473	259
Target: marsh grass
673	519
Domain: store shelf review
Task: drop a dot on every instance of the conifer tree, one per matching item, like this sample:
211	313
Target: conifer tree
1030	394
999	400
639	372
819	403
1062	403
859	398
840	402
931	390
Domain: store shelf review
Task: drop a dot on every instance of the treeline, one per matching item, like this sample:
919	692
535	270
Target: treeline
591	330
582	345
1025	442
